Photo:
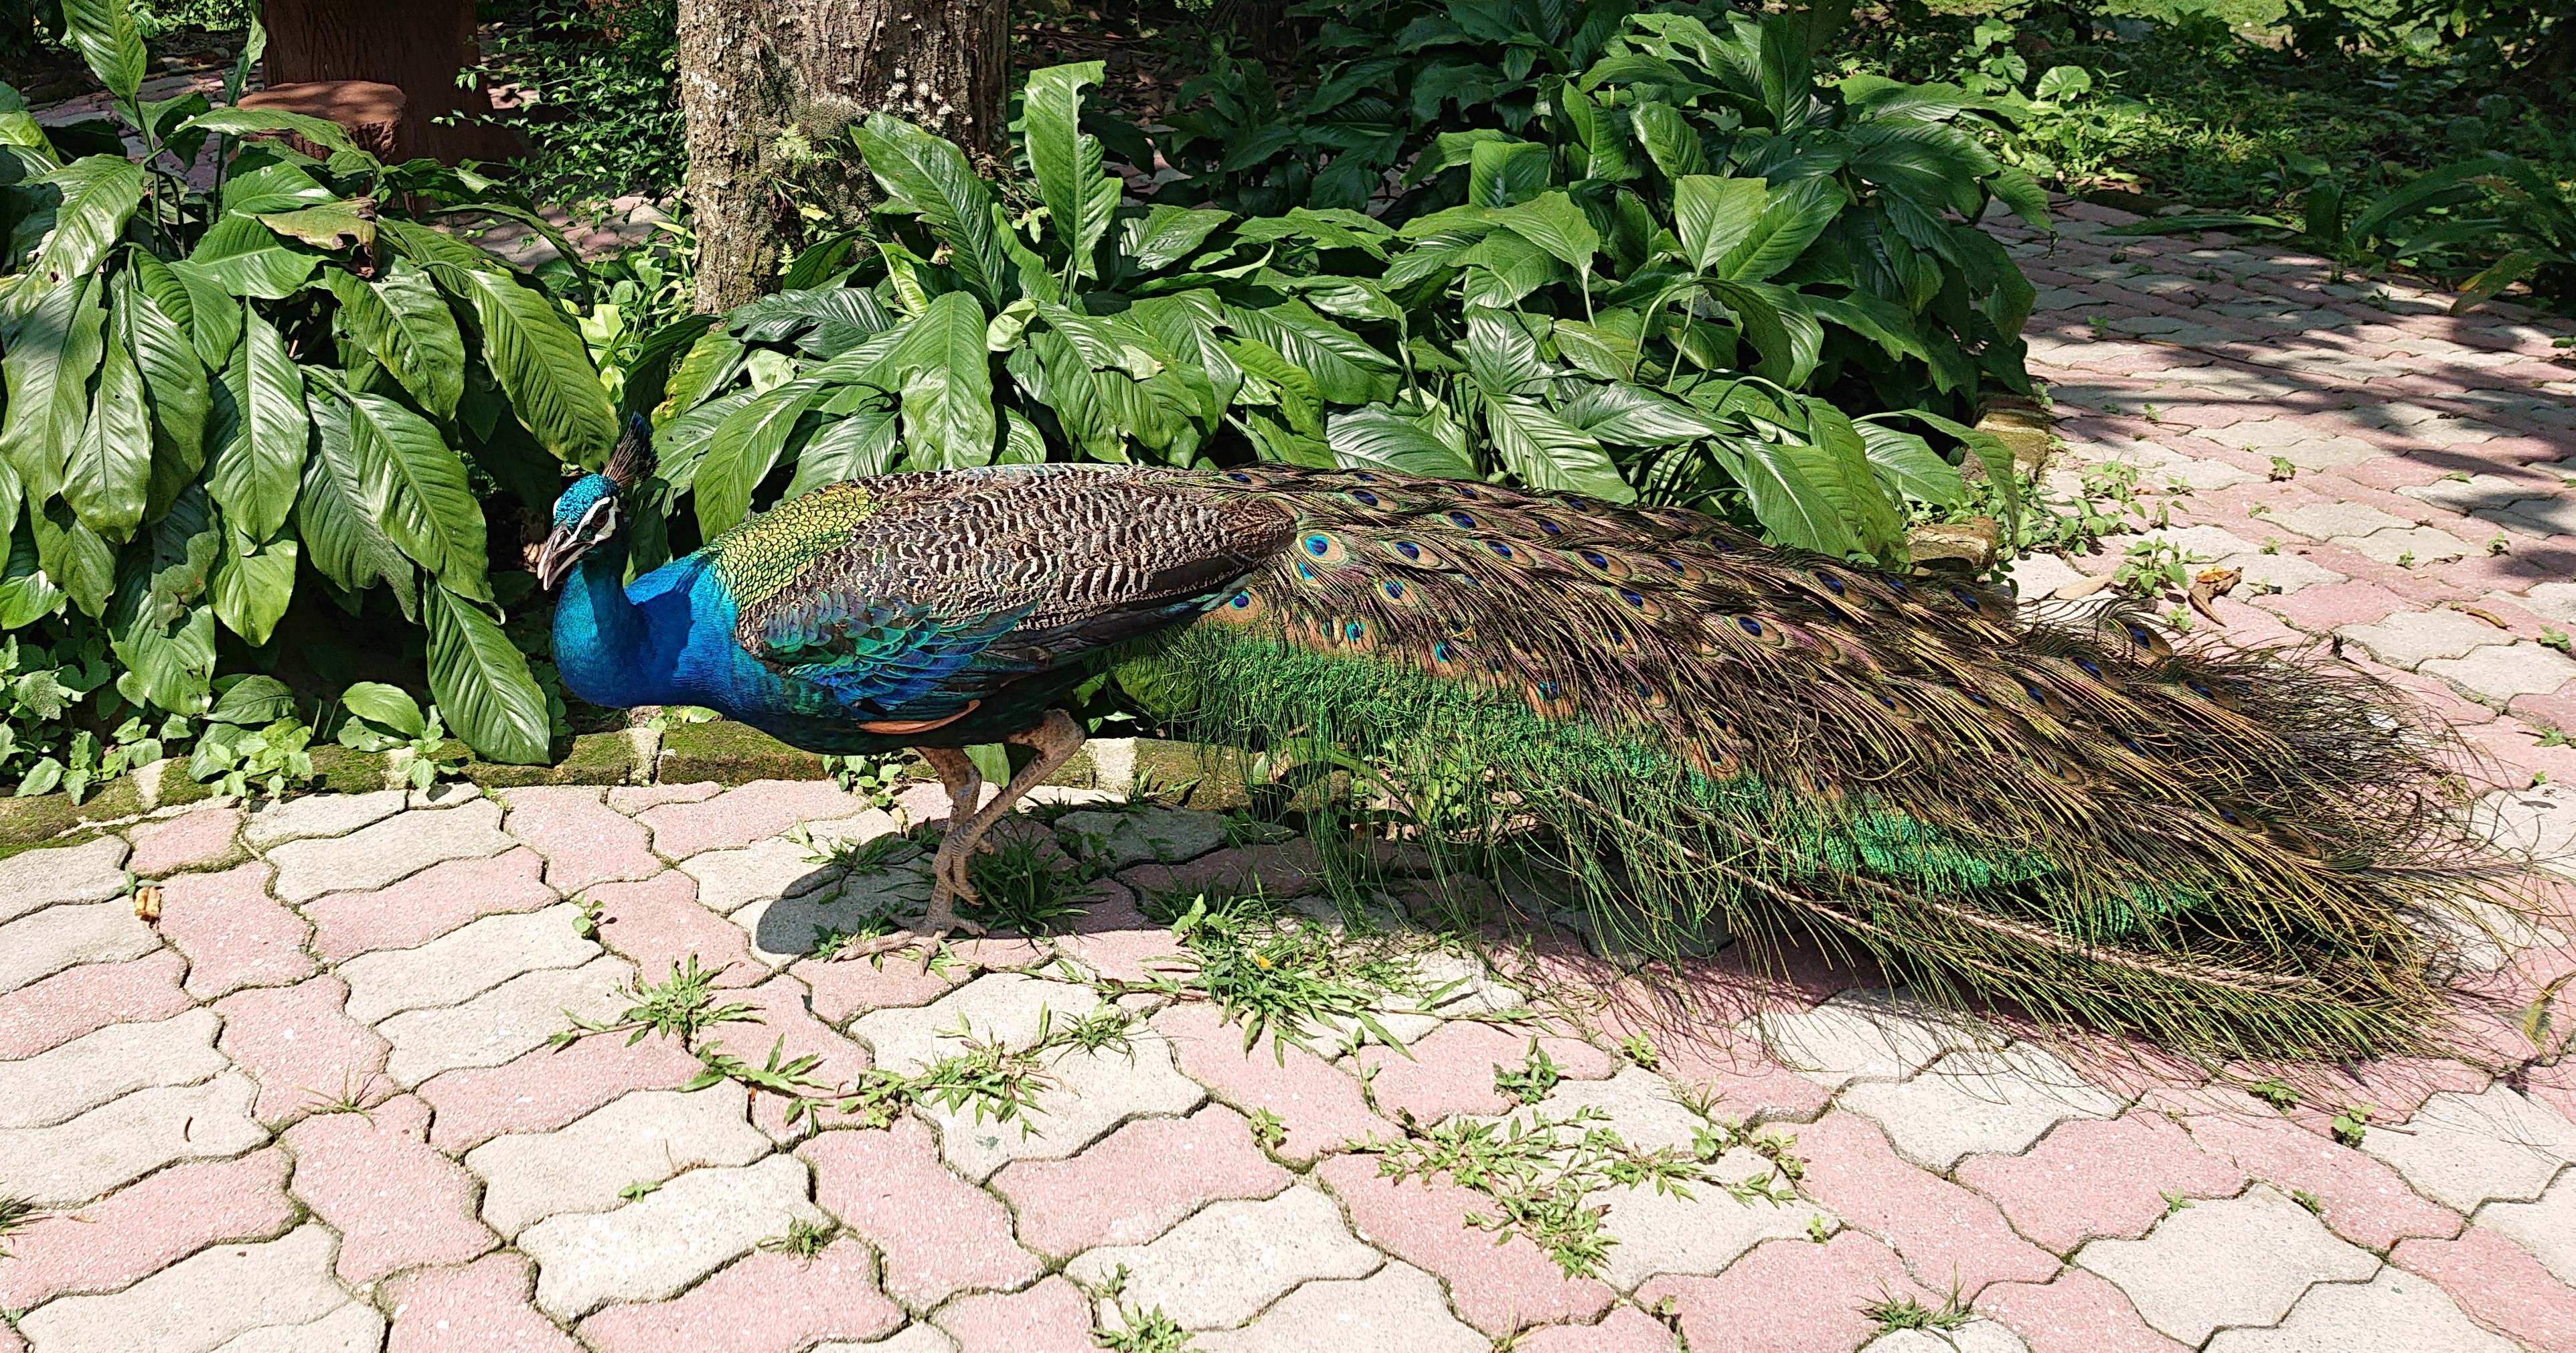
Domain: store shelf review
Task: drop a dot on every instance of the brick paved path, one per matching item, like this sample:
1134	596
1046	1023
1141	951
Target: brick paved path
316	1109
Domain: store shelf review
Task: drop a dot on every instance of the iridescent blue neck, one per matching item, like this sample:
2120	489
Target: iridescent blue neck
603	644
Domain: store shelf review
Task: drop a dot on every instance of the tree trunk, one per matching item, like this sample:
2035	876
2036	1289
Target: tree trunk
752	69
417	46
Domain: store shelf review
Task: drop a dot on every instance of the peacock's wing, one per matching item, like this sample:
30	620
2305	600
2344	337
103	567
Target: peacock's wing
2069	813
912	594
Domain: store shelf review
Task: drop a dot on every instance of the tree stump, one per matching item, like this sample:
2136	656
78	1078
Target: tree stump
417	46
372	112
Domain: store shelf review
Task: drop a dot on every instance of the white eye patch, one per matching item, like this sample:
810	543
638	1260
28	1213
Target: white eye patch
599	520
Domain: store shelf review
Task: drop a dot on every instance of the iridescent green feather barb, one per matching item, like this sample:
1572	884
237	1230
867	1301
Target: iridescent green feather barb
2237	852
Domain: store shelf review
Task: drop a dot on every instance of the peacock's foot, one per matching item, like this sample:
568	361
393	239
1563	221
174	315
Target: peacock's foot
935	925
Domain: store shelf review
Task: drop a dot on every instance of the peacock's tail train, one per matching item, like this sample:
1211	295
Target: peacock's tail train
2236	851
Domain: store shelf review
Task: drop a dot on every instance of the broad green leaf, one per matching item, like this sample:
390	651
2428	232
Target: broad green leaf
53	348
1791	219
240	257
100	193
1378	438
1605	156
1284	384
167	662
1022	443
176	382
26	593
235	121
259	431
1500	173
252	585
74	555
274	187
332	225
541	363
1552	222
109	473
392	706
947	383
1501	355
1875	516
436	250
342	536
745	448
1793	488
251	701
403	322
865	443
481	683
104	32
1714	216
1991	451
1065	161
1670	140
710	364
1346	369
1165	235
1549	455
1629	416
2017	190
1503	267
1596	350
1908	465
414	485
162	633
1777	322
930	177
212	317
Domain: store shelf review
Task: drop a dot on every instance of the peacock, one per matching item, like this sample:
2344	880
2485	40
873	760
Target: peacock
2069	814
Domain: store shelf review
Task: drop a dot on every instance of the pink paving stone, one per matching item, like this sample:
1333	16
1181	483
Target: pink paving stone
1452	1070
659	924
2081	1312
427	905
584	840
396	1203
548	1088
768	1303
1137	1182
1318	1103
234	934
2330	606
1496	1288
2389	473
1626	1330
939	1234
2546	711
636	798
1052	1317
741	816
201	837
2099	1178
2499	1284
50	1013
1946	1233
2363	1200
1788	1296
1285	870
853	986
303	1048
782	1022
1114	939
480	1308
149	1226
10	1342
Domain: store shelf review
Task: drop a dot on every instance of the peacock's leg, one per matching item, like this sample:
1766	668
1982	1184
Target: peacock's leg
1056	738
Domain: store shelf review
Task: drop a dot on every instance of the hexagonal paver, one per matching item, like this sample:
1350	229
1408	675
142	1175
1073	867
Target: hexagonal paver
66	934
768	1303
1132	1185
1865	1035
643	1138
1788	1294
278	821
1661	1232
42	1016
2503	671
651	1249
142	1229
2328	520
584	841
33	879
480	1308
512	1018
124	1139
1637	1104
1498	1283
1396	1310
427	905
939	1234
2410	637
1978	1103
199	1304
1089	1092
2270	1249
764	870
396	1203
2101	1178
1137	835
93	1069
2462	1150
1221	1267
2394	1310
374	856
2545	1226
465	962
1005	1006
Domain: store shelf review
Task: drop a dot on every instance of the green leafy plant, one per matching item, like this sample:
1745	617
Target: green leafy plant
805	1238
212	393
384	718
1142	1331
2350	1125
253	739
1906	1313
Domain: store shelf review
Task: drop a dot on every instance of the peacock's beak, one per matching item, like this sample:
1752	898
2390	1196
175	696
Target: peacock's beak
556	558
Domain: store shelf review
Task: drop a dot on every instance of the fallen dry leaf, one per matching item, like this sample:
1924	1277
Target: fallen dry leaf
147	902
2076	591
2210	584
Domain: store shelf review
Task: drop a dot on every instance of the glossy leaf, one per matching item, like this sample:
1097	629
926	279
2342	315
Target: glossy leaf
481	682
1065	161
172	375
109	471
413	484
392	706
402	321
931	178
26	593
1378	438
259	432
104	33
240	257
335	520
947	385
539	359
252	585
745	448
1500	173
53	347
100	193
1550	455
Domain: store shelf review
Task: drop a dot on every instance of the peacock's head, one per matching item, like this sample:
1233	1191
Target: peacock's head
589	512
